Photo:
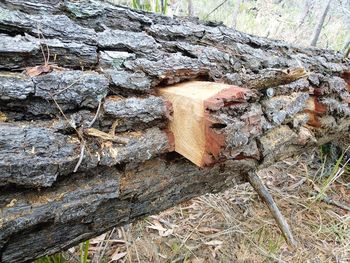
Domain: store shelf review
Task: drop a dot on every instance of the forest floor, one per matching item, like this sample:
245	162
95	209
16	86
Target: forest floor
236	226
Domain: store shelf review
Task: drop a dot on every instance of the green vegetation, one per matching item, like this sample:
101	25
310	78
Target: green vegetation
150	6
60	257
56	258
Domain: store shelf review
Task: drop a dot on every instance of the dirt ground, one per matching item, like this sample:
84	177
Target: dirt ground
236	226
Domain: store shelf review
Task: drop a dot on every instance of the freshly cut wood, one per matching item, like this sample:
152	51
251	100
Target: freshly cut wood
197	134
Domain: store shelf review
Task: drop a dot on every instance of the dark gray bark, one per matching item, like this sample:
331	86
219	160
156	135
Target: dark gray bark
98	89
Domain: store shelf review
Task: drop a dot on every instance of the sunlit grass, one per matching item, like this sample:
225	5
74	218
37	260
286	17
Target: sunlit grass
60	257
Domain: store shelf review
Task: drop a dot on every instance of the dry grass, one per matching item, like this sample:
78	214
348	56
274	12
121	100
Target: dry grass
235	226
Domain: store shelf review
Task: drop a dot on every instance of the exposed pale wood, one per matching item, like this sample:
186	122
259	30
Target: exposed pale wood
188	124
191	123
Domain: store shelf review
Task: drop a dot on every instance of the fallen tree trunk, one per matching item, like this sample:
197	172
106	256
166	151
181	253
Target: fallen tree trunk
84	144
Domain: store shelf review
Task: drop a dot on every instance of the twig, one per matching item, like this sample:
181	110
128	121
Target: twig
216	8
264	194
82	150
69	86
105	247
330	201
114	125
96	115
65	117
126	244
46	59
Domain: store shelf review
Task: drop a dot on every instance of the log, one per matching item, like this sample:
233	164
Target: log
79	91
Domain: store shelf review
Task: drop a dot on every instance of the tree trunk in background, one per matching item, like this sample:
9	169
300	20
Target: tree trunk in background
235	13
162	7
305	12
94	109
319	25
346	48
190	8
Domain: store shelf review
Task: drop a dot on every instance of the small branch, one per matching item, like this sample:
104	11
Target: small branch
264	194
330	201
96	115
216	8
82	150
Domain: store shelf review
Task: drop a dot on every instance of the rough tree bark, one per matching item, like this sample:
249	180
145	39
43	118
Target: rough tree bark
98	90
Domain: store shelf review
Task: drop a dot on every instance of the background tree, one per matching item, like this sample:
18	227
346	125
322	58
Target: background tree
319	25
190	8
235	13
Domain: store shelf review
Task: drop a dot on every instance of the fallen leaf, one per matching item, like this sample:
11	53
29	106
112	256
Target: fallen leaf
116	255
166	233
214	243
157	226
198	260
38	70
98	239
162	256
208	230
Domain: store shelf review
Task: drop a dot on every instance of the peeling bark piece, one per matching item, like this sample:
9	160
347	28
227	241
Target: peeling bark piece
34	156
72	88
26	51
124	81
271	78
15	86
124	41
192	123
136	110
